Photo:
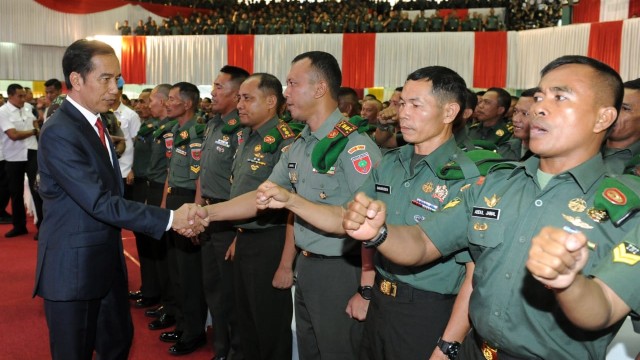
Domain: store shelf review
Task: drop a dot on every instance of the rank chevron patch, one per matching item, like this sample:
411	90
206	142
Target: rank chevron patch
626	253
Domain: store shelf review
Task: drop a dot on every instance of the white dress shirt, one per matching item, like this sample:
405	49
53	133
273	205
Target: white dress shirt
130	125
22	120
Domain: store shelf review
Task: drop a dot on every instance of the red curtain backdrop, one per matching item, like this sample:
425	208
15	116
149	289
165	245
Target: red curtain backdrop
358	60
490	59
133	62
93	6
240	51
634	8
587	11
605	43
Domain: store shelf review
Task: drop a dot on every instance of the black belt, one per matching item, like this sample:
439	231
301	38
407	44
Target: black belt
403	291
156	185
257	231
173	190
309	254
491	353
211	201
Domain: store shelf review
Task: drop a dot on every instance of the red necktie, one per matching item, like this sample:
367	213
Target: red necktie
101	132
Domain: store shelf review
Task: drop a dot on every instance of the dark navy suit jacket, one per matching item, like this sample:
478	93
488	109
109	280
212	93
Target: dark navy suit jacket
80	243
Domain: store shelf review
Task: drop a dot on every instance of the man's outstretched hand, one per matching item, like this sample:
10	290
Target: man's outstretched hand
190	220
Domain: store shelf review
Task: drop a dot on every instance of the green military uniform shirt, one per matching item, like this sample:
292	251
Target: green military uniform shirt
142	148
621	269
620	161
436	23
335	187
252	166
184	164
497	134
512	149
420	24
157	170
218	149
402	188
497	220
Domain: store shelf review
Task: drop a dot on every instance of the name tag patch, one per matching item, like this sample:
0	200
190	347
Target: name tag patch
292	165
486	213
386	189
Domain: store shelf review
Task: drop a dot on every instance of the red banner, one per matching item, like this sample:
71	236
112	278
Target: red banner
490	59
240	51
134	55
358	60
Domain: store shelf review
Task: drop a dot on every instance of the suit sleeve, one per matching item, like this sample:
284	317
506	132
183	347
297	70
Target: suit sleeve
73	169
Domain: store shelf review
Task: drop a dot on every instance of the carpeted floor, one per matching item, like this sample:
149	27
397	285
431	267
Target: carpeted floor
23	330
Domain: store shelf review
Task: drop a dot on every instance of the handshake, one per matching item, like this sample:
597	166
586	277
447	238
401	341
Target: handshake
190	220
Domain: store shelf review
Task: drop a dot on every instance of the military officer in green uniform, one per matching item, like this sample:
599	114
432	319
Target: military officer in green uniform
420	22
436	22
326	164
218	149
185	268
513	315
410	306
264	311
622	153
157	176
150	286
517	148
490	111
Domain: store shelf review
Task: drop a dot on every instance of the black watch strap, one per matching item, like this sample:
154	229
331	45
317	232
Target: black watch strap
365	291
449	348
379	239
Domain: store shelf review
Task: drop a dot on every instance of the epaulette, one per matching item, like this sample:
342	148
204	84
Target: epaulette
162	129
278	134
476	163
328	150
619	197
146	129
184	136
231	126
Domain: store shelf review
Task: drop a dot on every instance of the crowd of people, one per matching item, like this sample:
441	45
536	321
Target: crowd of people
348	17
394	222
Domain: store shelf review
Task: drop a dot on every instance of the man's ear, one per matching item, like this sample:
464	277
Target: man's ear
451	110
321	89
606	117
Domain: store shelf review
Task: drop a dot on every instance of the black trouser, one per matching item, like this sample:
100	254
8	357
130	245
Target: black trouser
217	277
5	195
323	290
471	349
264	312
15	174
150	286
76	328
185	271
406	326
159	257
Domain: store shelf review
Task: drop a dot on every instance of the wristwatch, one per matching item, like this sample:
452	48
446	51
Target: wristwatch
379	239
449	348
365	291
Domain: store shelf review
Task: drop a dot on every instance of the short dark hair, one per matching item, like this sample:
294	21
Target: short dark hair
471	100
77	57
238	74
327	68
26	88
270	85
188	92
350	95
632	84
504	98
371	97
398	89
163	89
146	90
446	84
529	92
609	78
53	82
13	88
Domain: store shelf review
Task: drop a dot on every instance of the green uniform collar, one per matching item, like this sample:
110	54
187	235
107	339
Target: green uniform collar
632	150
586	175
437	159
325	128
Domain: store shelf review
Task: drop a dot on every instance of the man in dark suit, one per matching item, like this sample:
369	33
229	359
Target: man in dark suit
81	272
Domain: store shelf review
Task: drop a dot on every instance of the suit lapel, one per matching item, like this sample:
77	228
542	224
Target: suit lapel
88	133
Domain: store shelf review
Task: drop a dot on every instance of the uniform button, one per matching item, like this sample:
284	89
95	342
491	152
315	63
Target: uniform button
397	212
303	181
497	313
508	275
482	235
307	154
454	156
407	184
538	203
522	239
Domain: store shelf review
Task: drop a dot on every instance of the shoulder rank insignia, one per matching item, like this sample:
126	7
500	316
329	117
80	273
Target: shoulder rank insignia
626	253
